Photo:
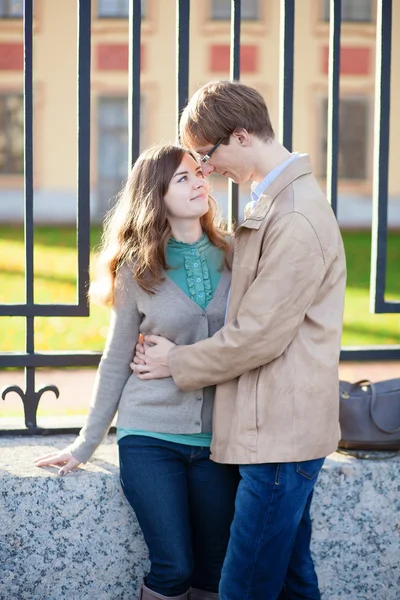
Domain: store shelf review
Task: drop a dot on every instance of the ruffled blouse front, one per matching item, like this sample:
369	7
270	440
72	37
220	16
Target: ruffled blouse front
195	268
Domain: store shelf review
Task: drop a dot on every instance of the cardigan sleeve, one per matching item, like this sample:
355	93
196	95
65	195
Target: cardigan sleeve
114	370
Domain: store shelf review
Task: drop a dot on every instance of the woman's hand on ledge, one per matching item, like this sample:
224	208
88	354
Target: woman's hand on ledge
63	458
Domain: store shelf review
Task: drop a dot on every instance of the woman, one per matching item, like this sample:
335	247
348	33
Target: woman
164	272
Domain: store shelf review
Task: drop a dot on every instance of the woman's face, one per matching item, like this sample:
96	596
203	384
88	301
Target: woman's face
187	194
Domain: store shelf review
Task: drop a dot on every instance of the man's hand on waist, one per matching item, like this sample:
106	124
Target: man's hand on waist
151	361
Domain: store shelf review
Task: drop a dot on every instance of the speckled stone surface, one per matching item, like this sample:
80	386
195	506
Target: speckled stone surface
76	538
73	537
356	528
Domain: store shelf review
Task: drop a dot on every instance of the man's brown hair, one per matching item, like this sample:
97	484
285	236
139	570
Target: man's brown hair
220	107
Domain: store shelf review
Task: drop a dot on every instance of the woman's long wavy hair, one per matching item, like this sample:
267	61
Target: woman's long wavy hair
136	229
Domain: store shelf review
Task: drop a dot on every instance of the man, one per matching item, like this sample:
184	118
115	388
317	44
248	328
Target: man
276	359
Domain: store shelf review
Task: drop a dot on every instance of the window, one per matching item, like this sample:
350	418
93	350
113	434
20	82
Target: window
117	9
357	11
11	9
221	10
11	134
353	137
113	147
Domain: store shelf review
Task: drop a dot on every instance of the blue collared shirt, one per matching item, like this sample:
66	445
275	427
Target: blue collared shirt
257	190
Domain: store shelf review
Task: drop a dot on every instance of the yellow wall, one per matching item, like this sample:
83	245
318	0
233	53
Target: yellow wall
55	60
55	78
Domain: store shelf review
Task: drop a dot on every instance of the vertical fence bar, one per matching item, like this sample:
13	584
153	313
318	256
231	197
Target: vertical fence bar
332	151
182	48
28	156
233	188
28	399
135	22
236	10
28	396
286	73
83	217
381	153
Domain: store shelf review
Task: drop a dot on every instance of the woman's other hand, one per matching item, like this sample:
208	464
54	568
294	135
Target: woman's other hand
54	459
141	347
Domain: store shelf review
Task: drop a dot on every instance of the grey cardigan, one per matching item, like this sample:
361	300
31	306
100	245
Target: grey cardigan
156	405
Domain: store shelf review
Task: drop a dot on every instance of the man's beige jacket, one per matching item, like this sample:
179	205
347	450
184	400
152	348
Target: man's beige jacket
276	359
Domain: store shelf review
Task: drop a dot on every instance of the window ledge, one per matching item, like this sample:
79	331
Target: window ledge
118	25
14	25
11	181
213	27
365	29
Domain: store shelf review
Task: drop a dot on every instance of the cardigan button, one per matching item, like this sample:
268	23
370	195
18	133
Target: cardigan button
197	423
199	398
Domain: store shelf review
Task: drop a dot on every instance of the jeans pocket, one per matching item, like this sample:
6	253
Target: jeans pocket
277	473
310	468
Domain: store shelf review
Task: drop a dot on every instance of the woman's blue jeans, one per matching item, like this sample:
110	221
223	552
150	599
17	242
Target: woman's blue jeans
184	504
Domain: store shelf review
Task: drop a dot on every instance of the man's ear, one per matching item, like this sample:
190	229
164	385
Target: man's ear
242	136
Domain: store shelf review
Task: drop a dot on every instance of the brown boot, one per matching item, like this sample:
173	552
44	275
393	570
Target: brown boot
148	594
202	595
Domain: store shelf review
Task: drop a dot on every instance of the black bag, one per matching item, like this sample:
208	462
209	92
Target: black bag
370	415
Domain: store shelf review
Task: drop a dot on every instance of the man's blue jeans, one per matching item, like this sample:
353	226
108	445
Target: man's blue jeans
268	556
184	504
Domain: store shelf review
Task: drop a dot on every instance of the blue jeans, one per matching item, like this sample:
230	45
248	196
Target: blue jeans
268	556
184	504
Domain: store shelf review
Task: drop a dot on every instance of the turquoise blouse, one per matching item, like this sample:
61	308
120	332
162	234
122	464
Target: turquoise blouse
196	269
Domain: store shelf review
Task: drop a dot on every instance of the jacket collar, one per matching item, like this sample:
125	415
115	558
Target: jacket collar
294	170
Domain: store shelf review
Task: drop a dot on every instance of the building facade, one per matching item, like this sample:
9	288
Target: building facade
55	103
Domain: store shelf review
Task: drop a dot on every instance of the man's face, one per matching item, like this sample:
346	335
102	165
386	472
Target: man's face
229	160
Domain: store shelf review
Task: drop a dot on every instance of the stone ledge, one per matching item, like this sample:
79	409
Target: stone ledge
76	538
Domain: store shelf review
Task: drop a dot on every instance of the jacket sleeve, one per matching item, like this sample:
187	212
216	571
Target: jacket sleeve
114	369
290	271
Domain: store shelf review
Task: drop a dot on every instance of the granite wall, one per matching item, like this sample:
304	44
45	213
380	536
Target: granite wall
76	538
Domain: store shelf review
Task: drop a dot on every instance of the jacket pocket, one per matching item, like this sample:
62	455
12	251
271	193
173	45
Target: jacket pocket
252	399
310	468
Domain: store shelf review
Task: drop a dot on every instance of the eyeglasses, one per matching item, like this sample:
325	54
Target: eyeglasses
207	156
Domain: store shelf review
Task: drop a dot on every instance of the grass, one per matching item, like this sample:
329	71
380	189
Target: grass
360	326
55	259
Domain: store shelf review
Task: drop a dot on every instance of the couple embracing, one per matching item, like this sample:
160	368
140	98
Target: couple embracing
231	402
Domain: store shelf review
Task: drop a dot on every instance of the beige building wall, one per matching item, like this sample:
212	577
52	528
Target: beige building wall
55	106
55	100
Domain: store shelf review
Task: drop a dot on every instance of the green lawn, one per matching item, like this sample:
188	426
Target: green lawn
55	266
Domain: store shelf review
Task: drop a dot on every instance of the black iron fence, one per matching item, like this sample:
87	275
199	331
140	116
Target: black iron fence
30	360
